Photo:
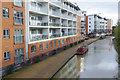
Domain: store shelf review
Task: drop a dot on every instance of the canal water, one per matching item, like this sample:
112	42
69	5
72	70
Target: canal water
99	62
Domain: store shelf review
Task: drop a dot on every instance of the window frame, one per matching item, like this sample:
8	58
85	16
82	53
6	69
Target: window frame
54	43
18	16
34	47
18	34
51	44
18	2
5	13
6	33
7	57
41	47
58	42
46	46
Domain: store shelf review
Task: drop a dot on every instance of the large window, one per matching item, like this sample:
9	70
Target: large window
6	33
18	36
33	49
41	47
46	46
6	56
18	17
19	55
50	44
55	43
18	3
5	12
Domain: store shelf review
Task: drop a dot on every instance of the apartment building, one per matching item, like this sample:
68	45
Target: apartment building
12	33
97	25
36	28
50	25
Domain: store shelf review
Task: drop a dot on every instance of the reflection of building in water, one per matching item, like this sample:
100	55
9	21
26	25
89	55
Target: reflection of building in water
72	69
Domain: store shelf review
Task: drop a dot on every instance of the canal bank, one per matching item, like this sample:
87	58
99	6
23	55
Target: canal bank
49	66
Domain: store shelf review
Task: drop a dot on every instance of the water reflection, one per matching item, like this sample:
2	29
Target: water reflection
99	62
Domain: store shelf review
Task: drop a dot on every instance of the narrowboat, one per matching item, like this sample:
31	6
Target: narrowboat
82	50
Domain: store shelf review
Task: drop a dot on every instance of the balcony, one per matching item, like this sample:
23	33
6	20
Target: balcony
38	7
54	35
38	37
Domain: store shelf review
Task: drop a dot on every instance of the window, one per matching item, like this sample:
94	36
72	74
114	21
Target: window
89	26
46	46
6	56
89	22
33	31
59	42
89	18
33	4
33	49
41	47
18	3
18	36
63	41
71	39
18	17
5	12
55	43
66	40
51	44
6	33
19	55
39	5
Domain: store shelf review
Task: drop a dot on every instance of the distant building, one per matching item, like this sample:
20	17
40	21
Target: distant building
98	25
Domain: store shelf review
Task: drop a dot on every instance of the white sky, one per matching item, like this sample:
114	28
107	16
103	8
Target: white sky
107	8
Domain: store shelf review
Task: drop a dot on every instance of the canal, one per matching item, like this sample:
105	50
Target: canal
99	62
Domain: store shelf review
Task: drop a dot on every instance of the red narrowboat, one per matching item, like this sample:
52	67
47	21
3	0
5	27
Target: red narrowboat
82	50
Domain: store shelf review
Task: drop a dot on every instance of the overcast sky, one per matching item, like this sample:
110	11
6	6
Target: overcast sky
107	8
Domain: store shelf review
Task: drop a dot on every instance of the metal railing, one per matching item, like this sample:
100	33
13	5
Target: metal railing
36	23
54	24
38	37
55	35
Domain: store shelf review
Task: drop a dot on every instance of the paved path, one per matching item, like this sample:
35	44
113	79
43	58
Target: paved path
47	67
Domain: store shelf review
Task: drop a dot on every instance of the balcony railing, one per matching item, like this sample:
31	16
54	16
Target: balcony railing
64	34
70	26
55	35
64	25
38	9
54	24
39	37
54	13
70	33
64	16
36	23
